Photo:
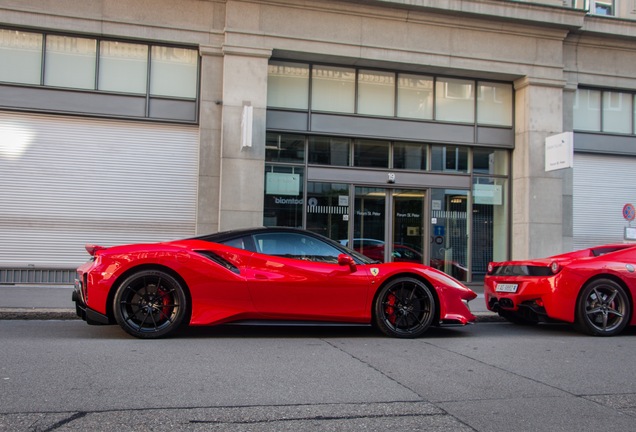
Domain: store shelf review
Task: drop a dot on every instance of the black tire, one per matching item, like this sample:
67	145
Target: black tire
404	308
603	308
517	318
150	304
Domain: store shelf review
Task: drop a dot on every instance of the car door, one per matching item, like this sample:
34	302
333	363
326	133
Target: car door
297	276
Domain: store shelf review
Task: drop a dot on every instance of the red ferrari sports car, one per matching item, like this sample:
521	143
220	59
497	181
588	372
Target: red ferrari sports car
593	288
261	274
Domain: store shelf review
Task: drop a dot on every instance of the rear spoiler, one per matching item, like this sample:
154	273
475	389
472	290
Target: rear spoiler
92	248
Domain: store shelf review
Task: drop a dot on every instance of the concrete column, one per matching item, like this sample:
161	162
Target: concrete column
537	195
569	94
242	168
210	117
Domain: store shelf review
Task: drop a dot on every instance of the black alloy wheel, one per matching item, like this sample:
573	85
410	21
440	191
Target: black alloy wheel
404	308
150	304
603	308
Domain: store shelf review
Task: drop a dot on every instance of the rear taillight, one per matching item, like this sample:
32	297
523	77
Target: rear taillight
555	267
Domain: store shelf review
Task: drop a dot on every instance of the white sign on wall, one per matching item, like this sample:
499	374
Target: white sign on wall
282	184
559	151
487	194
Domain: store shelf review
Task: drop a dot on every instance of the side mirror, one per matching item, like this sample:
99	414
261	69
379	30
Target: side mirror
346	260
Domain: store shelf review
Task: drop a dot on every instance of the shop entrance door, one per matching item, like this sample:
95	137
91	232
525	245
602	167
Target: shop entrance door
428	226
408	227
388	224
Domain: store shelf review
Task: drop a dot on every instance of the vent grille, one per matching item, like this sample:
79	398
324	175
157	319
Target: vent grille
37	276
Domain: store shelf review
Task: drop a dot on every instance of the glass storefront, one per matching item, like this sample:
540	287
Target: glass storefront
456	230
393	164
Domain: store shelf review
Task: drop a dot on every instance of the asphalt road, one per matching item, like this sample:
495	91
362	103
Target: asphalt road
68	376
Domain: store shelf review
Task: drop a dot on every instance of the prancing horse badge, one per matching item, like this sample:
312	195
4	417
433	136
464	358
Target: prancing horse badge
375	271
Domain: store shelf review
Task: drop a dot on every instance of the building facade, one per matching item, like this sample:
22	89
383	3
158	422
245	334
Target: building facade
414	130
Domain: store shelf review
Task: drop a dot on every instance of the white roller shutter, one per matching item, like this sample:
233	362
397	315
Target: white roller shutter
602	186
67	181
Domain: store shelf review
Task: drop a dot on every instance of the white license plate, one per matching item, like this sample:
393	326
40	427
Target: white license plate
511	288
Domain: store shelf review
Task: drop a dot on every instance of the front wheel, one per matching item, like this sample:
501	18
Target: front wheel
603	308
150	304
404	308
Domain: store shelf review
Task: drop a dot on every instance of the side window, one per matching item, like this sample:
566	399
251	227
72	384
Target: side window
296	246
237	243
241	243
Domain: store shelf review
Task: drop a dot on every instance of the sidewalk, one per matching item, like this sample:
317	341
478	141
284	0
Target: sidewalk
53	302
37	302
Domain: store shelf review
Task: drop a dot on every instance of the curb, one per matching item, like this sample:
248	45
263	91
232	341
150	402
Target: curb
45	314
37	314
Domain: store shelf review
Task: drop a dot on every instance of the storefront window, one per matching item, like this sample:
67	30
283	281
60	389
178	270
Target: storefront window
173	71
284	148
617	112
455	100
288	85
449	158
20	57
449	232
410	156
333	89
415	96
70	62
490	223
371	154
329	151
123	67
283	196
328	210
376	93
490	161
587	110
494	104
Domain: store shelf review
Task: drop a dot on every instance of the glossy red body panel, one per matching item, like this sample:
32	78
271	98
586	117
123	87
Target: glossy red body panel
559	292
266	287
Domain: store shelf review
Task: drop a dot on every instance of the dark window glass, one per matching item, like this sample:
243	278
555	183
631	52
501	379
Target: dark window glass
490	161
449	158
371	154
284	148
329	151
409	156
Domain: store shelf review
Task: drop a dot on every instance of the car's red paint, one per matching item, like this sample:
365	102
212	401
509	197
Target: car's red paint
259	286
551	287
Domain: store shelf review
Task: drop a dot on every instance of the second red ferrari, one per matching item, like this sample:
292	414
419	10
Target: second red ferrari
592	288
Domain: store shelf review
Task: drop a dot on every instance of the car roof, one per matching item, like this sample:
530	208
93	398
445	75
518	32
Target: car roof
231	234
223	236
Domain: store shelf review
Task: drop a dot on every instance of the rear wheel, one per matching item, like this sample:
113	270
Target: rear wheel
404	308
603	308
150	304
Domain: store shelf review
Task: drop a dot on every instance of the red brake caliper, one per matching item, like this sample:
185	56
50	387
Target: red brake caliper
165	300
390	309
